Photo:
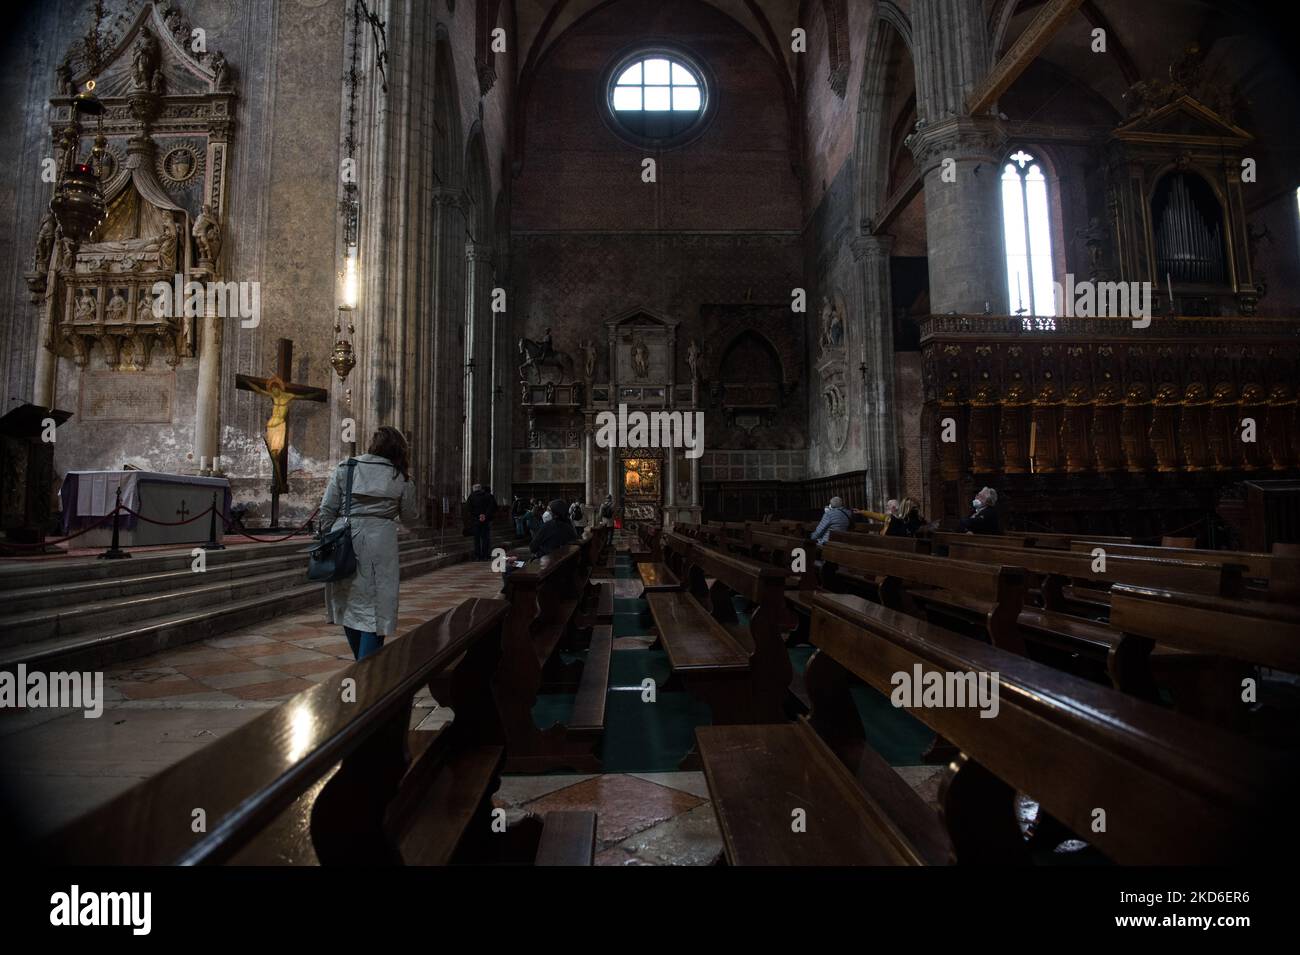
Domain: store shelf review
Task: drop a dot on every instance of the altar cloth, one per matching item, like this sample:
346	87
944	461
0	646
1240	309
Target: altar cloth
87	496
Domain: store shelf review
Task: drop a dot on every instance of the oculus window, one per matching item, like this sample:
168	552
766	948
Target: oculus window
657	98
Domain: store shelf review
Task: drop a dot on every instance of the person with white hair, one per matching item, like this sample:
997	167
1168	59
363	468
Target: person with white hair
984	519
836	517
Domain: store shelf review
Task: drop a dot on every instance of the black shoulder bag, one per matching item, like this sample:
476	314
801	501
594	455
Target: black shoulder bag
332	557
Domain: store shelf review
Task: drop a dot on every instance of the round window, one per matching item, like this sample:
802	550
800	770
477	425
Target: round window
657	97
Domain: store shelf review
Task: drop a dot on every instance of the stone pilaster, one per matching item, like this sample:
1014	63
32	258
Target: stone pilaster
876	366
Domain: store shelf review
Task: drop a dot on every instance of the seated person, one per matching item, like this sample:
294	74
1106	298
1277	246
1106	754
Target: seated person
556	530
837	517
906	519
984	520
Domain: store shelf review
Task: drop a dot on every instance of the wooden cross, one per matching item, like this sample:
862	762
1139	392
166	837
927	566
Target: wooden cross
282	392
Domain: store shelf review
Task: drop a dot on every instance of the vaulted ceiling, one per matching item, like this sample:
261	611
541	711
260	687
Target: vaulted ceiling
541	22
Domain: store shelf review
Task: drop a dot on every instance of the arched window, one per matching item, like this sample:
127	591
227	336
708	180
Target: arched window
657	97
1027	238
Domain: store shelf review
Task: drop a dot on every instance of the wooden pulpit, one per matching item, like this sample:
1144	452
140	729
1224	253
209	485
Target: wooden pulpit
27	472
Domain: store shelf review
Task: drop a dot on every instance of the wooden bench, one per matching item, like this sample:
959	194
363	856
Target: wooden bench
657	576
985	597
271	795
742	672
1276	575
544	597
1257	632
1173	791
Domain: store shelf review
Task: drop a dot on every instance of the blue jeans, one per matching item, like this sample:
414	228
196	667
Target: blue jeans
363	644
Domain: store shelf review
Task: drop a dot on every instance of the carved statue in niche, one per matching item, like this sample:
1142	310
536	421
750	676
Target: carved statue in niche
83	310
640	359
44	242
693	360
143	307
145	74
588	349
1096	239
207	235
115	311
221	71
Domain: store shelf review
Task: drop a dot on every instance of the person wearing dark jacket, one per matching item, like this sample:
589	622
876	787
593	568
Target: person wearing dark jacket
905	520
984	520
518	512
479	511
556	530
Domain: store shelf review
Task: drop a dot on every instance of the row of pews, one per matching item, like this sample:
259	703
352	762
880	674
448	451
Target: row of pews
1121	673
338	775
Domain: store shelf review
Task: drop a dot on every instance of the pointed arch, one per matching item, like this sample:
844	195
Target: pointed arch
889	36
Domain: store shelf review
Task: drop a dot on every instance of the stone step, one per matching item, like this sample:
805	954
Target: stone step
97	650
21	575
166	576
187	591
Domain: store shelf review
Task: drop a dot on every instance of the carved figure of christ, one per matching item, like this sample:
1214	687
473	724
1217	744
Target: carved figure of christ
282	393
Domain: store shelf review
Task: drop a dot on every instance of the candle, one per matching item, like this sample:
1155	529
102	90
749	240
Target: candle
1033	442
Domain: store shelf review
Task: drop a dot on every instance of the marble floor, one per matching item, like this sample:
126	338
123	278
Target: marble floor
161	708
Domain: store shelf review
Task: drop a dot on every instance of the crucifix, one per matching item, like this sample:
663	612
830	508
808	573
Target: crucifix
281	391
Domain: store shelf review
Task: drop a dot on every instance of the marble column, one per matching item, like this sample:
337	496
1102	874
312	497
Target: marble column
670	492
475	461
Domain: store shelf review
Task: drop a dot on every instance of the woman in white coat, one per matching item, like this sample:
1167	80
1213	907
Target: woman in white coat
382	493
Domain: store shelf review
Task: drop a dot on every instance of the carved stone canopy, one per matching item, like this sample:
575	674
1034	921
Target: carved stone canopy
166	126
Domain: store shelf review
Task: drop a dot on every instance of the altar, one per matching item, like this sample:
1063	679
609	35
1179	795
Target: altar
171	499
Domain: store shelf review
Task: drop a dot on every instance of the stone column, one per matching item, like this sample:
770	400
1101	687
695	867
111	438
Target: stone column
695	482
963	215
477	379
962	198
207	408
880	438
670	495
588	461
44	393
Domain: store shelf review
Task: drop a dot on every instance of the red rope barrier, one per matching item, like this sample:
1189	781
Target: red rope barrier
59	540
150	520
230	525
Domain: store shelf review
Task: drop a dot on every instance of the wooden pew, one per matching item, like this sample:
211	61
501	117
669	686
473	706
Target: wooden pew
397	796
1074	585
1173	791
597	606
1257	632
986	595
1053	541
544	598
743	673
1278	574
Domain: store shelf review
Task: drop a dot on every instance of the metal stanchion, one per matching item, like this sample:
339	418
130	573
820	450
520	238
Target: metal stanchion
115	552
212	527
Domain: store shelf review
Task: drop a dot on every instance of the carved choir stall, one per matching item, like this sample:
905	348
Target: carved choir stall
1114	425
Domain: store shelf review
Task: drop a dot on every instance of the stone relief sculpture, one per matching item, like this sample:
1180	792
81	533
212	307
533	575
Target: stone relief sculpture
832	330
116	309
44	242
207	236
145	74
